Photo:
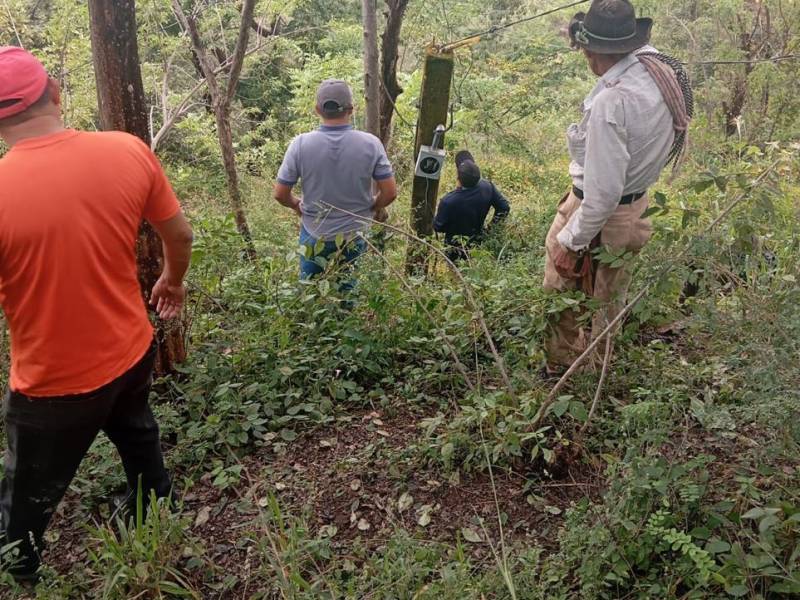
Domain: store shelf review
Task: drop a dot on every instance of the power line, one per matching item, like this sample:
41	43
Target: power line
496	28
755	61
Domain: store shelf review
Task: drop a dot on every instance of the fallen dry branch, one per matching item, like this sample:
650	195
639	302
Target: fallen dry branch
601	383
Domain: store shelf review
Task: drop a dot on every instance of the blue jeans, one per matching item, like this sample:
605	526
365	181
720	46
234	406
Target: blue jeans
342	257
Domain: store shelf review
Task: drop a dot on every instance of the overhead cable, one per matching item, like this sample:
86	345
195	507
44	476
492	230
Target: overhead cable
491	31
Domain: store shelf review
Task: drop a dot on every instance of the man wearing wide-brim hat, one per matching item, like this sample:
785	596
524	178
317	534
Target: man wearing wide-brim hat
634	122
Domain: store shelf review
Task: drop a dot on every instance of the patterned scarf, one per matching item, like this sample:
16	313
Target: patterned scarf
673	82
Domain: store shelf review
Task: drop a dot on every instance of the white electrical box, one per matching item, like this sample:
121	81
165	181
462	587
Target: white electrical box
430	162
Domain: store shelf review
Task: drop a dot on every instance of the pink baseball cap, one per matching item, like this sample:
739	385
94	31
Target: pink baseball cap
23	80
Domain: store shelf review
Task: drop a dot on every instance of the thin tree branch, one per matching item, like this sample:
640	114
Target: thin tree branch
603	374
267	32
182	107
179	111
241	49
189	25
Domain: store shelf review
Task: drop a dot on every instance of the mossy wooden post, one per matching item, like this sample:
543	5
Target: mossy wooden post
434	103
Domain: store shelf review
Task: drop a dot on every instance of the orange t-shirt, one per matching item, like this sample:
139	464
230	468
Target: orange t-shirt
71	205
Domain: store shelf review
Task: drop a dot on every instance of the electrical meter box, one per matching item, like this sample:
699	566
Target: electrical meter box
430	162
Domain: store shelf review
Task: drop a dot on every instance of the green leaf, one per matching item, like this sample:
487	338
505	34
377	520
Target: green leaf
767	522
786	587
717	546
689	216
700	533
754	513
288	435
561	406
447	451
702	186
737	591
578	411
651	211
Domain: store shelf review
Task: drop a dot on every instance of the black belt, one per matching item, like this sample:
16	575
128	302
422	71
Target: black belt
629	199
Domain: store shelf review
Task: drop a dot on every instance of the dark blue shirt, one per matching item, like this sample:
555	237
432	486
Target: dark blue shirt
463	211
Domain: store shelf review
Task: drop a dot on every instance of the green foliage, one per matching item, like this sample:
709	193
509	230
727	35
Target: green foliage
140	557
695	442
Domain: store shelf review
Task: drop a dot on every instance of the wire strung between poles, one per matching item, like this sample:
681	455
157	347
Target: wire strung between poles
755	61
496	28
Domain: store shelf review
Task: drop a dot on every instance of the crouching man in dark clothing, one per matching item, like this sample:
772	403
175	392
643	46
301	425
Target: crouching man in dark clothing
462	213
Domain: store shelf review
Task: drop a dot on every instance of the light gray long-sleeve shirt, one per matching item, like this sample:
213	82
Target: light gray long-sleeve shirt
619	148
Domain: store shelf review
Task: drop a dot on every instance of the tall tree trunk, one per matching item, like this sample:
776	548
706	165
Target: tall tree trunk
120	95
371	81
390	43
222	97
225	136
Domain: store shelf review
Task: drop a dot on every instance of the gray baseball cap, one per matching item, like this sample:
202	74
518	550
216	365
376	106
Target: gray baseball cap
334	95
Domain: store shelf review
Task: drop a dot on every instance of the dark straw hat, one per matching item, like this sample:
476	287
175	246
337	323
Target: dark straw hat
610	27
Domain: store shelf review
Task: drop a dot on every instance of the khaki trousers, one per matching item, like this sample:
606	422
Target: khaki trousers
624	230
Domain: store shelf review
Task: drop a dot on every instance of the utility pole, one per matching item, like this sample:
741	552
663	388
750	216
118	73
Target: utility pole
434	104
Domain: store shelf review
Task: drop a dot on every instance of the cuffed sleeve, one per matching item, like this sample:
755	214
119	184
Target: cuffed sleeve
162	204
383	168
289	173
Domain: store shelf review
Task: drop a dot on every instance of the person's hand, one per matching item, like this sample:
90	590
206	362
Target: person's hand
298	206
381	215
167	298
570	265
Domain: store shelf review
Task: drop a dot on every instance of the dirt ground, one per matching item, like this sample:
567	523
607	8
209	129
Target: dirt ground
355	483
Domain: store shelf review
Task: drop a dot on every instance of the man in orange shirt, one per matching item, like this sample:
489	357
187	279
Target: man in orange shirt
82	351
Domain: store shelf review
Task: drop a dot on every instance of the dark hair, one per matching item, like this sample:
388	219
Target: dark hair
26	114
469	174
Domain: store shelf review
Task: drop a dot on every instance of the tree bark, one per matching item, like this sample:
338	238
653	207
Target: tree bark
222	98
121	99
390	88
371	81
225	135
